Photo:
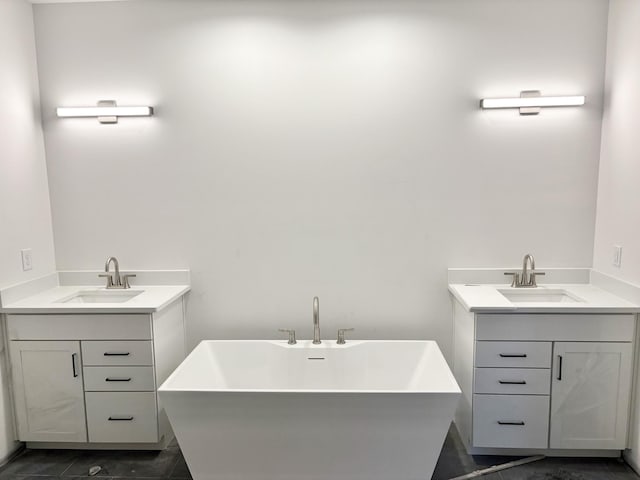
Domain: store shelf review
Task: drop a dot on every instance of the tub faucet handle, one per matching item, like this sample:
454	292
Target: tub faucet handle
292	335
341	340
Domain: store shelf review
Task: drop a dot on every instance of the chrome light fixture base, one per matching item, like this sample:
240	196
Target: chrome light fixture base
529	110
113	118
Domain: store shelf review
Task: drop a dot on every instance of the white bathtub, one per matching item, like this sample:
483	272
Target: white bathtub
367	410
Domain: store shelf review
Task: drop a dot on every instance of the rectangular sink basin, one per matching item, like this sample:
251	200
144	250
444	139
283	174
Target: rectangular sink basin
539	295
101	296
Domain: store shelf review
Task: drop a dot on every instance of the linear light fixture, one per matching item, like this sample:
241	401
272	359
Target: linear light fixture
530	101
106	111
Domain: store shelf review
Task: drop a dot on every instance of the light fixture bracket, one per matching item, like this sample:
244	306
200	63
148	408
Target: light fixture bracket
529	110
107	119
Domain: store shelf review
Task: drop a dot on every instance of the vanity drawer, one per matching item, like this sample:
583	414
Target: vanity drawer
510	381
510	421
513	354
117	352
118	379
559	327
121	417
79	326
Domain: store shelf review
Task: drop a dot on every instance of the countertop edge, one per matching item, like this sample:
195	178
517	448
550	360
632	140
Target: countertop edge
52	309
556	310
508	307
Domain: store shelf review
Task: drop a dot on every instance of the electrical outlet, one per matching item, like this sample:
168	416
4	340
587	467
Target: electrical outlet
27	261
617	256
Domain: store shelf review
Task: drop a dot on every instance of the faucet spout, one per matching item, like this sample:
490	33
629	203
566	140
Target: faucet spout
117	280
526	276
316	321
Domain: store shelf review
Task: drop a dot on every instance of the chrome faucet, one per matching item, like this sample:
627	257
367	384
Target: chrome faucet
526	278
115	280
316	321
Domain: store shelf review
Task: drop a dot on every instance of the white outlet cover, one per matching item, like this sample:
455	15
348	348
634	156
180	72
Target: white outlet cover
617	256
27	260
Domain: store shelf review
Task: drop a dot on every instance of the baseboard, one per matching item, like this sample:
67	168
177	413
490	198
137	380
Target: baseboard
161	445
544	451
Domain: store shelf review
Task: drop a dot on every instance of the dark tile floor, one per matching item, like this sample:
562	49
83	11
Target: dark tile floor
169	464
454	462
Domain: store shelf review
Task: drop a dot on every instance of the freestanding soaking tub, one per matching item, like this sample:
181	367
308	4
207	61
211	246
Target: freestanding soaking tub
366	410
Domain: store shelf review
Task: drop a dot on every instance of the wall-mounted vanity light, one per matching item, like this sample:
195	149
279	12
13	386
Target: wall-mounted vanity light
106	111
530	101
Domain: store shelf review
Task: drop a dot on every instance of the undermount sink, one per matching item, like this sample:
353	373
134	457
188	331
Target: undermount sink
101	296
539	295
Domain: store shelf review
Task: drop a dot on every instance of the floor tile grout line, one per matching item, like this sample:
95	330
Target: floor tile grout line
173	469
69	466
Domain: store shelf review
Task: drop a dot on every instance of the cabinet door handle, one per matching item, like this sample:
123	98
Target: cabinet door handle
73	364
512	382
110	379
513	355
116	354
559	367
119	418
520	424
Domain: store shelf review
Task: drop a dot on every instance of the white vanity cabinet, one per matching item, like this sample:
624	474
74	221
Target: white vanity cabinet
49	395
91	379
590	394
543	382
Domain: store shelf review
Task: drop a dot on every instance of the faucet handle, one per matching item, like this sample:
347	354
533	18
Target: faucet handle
125	280
516	278
292	335
533	274
341	340
109	278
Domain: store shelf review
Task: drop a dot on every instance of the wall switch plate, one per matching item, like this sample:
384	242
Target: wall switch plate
27	261
617	256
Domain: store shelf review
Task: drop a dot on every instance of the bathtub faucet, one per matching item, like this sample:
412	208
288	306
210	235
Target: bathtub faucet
316	321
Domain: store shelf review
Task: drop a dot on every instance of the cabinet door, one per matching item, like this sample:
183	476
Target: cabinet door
590	392
48	390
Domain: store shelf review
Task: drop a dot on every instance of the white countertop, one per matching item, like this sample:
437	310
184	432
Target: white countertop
152	299
487	298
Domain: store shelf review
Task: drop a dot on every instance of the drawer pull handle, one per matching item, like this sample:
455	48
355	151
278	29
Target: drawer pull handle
108	379
512	382
120	419
116	354
559	367
73	364
513	355
520	424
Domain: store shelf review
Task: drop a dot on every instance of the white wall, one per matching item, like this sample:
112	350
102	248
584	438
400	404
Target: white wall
25	214
618	208
618	212
329	148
